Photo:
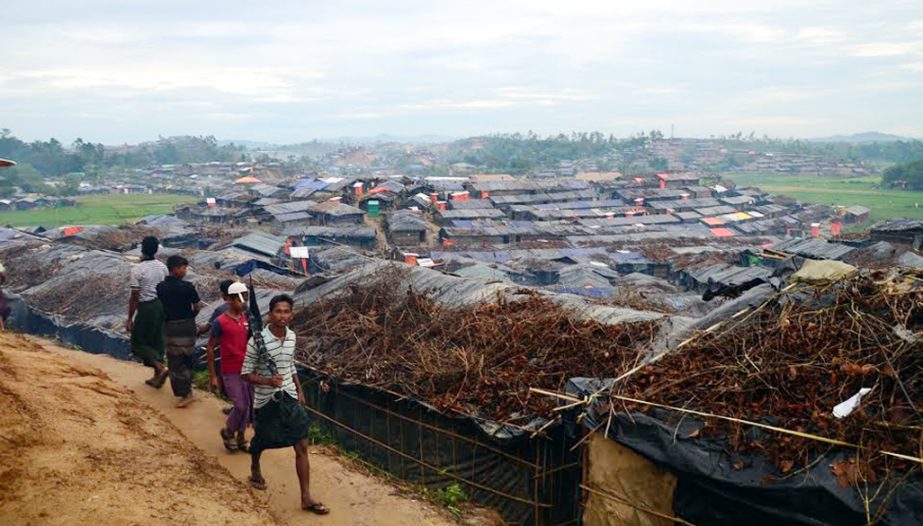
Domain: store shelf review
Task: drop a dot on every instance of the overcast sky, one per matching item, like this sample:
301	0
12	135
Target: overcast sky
292	71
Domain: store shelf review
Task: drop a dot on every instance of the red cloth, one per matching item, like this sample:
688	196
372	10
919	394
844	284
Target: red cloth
232	336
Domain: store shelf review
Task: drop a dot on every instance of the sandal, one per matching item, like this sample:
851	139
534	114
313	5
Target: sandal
228	439
243	446
257	483
158	380
317	508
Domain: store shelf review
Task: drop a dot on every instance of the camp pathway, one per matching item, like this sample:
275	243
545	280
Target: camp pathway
354	498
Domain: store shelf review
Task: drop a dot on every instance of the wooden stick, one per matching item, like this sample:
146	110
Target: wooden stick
630	504
763	426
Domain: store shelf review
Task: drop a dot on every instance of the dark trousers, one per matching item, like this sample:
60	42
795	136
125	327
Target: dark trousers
180	340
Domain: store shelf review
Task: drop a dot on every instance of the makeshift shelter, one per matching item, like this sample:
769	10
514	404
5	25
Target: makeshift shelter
334	212
756	411
404	427
406	228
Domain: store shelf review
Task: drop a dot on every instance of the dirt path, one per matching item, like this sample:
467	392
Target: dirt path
77	448
354	497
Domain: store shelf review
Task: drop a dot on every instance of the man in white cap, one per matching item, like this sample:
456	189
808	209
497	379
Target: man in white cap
230	331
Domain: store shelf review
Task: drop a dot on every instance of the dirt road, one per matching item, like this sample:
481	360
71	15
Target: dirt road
80	449
138	460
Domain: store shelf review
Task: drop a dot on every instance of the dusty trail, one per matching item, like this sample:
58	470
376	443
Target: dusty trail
96	399
78	448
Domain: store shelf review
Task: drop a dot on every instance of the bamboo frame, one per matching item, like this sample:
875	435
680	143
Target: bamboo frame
447	432
543	479
424	464
703	414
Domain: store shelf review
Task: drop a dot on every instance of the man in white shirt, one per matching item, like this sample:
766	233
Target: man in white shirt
279	419
145	312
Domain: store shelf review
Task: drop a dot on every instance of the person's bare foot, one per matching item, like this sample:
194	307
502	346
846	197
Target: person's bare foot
186	400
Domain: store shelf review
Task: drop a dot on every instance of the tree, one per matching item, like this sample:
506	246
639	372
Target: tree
909	175
659	163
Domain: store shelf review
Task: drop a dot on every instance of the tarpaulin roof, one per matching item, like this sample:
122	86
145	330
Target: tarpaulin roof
248	180
260	243
813	248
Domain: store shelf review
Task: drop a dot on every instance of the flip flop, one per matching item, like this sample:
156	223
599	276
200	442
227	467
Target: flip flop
243	446
317	508
259	483
228	440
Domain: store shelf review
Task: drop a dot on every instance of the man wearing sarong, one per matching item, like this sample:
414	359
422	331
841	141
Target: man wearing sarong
145	312
230	330
279	419
181	303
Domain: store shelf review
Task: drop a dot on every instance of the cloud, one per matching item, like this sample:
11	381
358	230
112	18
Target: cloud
290	71
887	49
821	35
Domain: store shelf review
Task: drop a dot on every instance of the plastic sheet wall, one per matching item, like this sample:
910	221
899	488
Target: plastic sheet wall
710	490
529	481
92	339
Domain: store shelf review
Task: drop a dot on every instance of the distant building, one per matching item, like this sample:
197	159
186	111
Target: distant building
406	228
336	213
856	214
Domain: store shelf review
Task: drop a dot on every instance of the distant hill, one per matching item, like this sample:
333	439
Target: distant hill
355	141
250	145
386	138
872	136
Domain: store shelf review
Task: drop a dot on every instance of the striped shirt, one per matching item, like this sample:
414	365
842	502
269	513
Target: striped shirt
283	353
145	276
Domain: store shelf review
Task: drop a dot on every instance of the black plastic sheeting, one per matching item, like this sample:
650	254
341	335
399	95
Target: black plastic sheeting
92	339
710	491
395	434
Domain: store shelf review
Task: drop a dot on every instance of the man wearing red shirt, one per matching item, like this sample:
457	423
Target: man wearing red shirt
230	332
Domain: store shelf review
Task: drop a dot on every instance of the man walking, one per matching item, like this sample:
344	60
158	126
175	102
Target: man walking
181	303
145	311
230	331
279	418
219	310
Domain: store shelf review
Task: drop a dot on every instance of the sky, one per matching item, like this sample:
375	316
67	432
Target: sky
124	72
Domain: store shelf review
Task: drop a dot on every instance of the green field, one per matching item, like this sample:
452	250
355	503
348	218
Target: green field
885	204
111	209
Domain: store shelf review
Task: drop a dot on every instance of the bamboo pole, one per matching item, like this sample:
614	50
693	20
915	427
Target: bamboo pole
630	504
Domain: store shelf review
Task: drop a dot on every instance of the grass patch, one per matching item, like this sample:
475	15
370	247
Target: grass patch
318	436
200	380
845	191
110	209
450	497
